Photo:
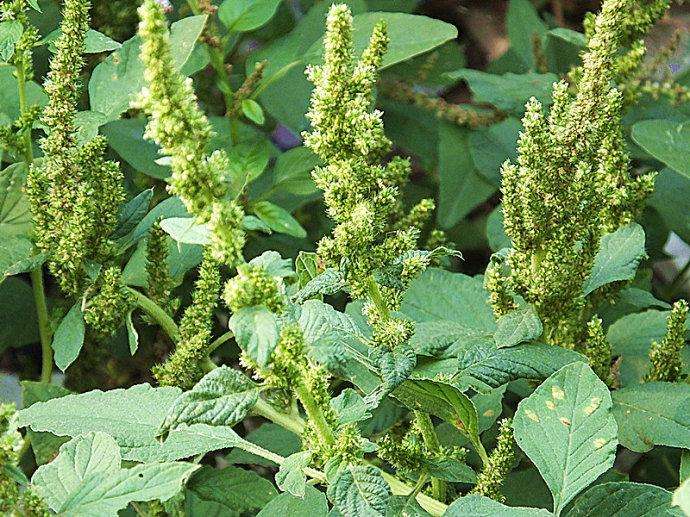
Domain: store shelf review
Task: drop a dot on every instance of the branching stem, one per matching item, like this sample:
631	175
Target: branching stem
157	314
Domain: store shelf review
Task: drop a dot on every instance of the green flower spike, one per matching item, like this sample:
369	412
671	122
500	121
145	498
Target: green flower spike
74	193
665	355
501	462
570	186
187	364
183	133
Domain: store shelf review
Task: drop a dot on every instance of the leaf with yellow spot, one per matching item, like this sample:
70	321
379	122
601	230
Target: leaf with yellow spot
568	431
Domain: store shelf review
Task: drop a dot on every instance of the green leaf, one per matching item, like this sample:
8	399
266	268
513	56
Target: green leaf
292	172
312	505
18	255
508	92
120	77
444	401
624	500
126	136
186	230
329	281
132	335
252	110
671	198
319	319
360	491
480	506
485	366
94	42
227	491
619	254
132	212
631	337
461	186
269	436
256	332
441	295
44	445
133	417
653	413
566	428
518	326
246	15
405	506
490	147
69	337
666	140
223	397
15	217
278	219
10	32
350	407
9	101
450	470
410	35
523	24
86	478
291	477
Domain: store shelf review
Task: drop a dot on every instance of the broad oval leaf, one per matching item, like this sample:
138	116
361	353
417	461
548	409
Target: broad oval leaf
666	140
619	254
256	332
410	35
480	506
69	337
360	491
223	397
517	326
246	15
186	230
653	413
278	219
624	500
566	428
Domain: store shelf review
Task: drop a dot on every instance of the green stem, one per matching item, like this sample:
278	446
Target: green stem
44	330
289	422
296	425
157	314
316	416
220	340
217	59
426	426
431	505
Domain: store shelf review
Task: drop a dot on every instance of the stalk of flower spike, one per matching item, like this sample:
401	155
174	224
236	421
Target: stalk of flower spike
570	186
183	133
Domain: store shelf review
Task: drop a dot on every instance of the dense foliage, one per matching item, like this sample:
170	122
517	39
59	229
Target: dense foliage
293	258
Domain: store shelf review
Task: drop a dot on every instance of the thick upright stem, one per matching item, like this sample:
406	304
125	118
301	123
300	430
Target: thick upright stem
44	330
316	416
426	426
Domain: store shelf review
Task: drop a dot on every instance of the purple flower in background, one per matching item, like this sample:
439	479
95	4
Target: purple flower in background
166	5
675	67
284	138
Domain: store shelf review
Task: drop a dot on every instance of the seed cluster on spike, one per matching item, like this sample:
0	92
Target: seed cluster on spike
183	133
572	184
74	192
362	194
